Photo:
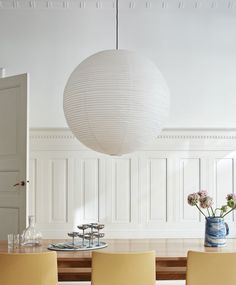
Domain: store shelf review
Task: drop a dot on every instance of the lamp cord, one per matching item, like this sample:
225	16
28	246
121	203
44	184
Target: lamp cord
117	24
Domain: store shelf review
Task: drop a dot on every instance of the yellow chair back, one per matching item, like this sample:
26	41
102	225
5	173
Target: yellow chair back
137	268
28	268
204	268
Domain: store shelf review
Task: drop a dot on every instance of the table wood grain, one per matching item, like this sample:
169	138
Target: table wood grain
171	256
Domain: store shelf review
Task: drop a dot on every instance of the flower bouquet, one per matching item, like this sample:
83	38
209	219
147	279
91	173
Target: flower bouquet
204	202
216	229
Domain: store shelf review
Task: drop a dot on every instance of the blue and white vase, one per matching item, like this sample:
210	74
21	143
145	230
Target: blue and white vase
216	231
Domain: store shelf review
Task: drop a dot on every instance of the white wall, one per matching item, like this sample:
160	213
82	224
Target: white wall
48	43
192	42
140	195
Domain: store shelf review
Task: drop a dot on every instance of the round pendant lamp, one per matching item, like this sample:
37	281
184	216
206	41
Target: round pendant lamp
116	101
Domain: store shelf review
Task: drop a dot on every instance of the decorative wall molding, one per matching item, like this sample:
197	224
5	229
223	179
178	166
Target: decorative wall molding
124	4
65	133
169	139
142	194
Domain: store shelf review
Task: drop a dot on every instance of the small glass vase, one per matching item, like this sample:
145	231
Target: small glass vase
31	236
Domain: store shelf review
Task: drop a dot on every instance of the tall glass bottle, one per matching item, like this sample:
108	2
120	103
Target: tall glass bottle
31	236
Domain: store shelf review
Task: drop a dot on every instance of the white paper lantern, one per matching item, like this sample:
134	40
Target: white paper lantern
116	102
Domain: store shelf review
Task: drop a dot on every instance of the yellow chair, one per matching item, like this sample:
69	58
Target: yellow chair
137	268
204	268
28	268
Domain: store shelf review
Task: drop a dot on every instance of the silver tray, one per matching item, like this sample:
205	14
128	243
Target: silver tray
68	246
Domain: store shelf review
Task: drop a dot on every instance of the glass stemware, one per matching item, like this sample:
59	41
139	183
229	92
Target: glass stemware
92	227
83	227
73	235
80	235
98	227
98	236
89	237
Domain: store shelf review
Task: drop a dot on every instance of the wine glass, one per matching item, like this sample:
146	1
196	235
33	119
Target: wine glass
80	235
83	227
93	226
89	237
98	227
98	236
73	235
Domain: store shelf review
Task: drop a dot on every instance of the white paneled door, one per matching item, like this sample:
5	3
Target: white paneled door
13	153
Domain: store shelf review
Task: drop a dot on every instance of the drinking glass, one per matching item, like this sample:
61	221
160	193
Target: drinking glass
13	240
10	240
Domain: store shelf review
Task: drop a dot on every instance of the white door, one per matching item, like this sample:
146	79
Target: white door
13	154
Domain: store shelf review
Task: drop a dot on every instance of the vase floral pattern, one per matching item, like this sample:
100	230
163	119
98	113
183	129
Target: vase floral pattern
216	231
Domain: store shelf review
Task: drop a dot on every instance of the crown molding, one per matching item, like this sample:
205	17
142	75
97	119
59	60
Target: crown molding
168	133
209	133
124	4
169	139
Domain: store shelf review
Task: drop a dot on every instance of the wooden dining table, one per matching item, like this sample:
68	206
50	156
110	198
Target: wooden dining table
171	255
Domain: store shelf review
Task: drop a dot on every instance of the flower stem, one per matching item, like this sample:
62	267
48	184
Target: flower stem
201	211
216	210
208	212
228	212
213	214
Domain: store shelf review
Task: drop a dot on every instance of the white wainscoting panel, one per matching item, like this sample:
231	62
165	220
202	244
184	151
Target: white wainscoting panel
224	179
88	174
121	191
190	180
138	195
157	190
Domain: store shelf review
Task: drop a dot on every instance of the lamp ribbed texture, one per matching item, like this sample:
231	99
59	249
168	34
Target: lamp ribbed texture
116	102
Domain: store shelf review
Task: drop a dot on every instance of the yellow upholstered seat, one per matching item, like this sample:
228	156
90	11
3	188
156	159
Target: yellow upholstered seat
137	268
205	268
28	268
